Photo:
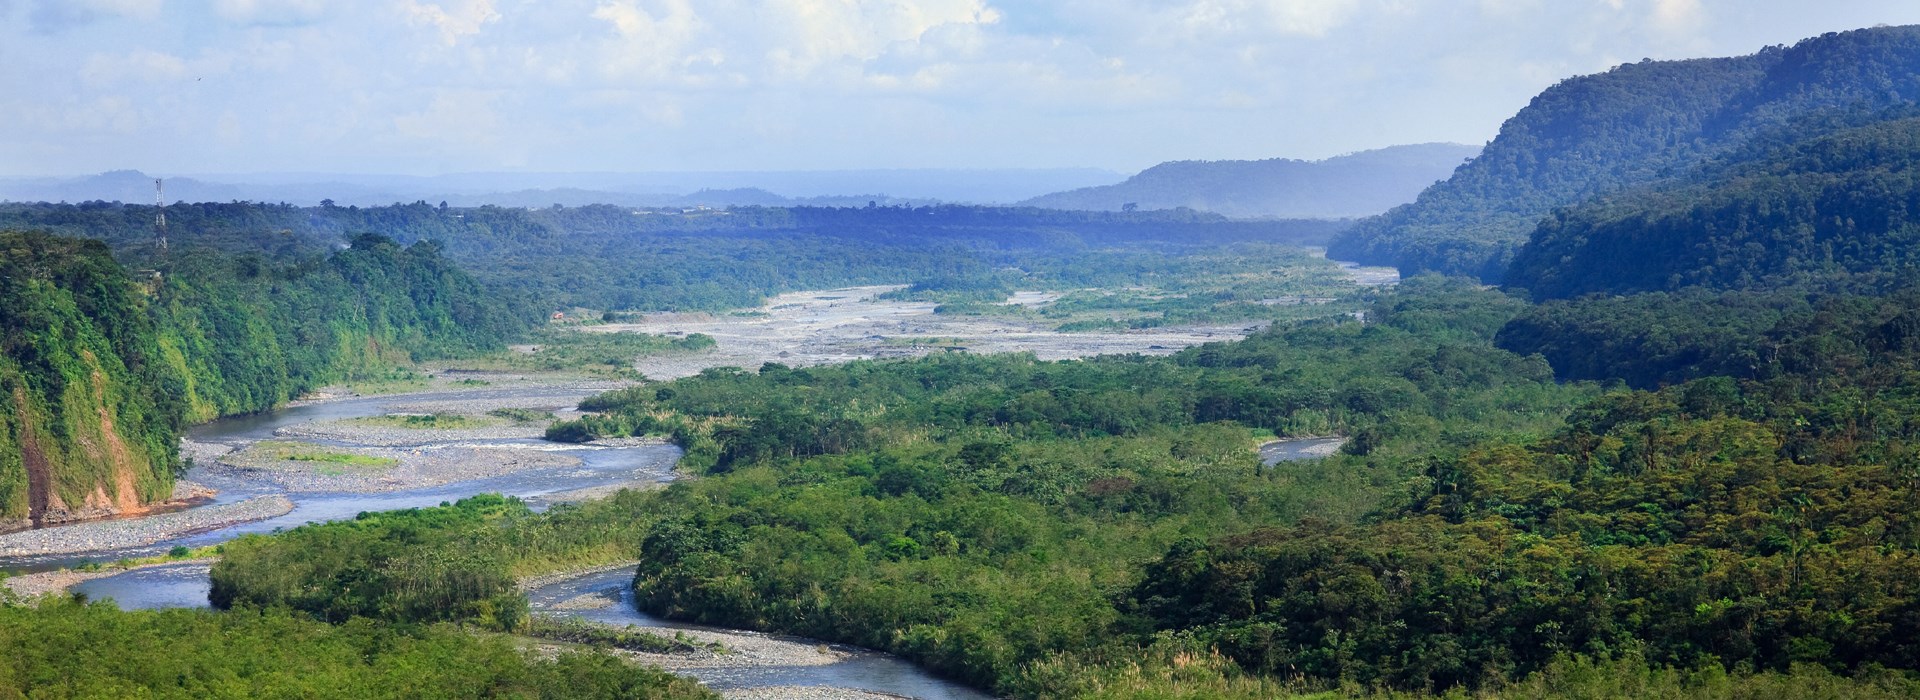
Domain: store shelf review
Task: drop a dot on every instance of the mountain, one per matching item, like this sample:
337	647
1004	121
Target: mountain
1837	212
1358	184
656	189
1637	124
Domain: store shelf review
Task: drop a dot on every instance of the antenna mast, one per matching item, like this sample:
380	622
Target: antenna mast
160	211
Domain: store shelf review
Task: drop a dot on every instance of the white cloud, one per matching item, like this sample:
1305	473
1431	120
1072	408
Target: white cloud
1297	17
1678	16
651	41
270	11
147	66
454	18
809	33
139	9
416	84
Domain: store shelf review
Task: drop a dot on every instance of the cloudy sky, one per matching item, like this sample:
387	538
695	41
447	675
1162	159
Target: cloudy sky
436	86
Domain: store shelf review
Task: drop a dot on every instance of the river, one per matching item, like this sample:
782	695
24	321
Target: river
766	662
780	662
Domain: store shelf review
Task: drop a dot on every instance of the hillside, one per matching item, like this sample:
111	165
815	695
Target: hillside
1358	184
102	369
1836	212
1636	124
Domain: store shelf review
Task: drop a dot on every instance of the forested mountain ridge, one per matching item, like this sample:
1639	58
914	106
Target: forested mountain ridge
1356	184
103	368
1636	124
1839	212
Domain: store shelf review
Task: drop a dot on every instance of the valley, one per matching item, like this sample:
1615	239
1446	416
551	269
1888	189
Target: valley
1624	404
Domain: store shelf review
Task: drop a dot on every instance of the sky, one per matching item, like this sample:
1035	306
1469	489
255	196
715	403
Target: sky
427	87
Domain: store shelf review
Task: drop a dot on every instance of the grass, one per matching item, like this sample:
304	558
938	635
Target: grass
436	421
302	452
612	354
574	631
392	381
522	415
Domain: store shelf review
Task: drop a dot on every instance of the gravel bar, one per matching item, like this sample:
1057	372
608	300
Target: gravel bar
804	692
126	533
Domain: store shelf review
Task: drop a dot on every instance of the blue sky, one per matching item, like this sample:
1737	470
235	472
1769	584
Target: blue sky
436	86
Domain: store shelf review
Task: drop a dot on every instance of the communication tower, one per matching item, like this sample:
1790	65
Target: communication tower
160	211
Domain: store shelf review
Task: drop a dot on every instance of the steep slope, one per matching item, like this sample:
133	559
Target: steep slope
101	369
1839	212
1359	184
1633	125
78	438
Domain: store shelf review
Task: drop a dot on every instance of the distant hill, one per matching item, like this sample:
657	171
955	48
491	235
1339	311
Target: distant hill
1359	184
1637	124
646	189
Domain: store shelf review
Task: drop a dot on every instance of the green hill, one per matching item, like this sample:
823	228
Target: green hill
1839	212
101	369
1637	124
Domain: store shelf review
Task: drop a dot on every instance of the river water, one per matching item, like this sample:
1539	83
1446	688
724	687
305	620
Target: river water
186	585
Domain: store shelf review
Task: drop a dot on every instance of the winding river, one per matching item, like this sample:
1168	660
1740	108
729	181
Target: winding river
782	662
185	585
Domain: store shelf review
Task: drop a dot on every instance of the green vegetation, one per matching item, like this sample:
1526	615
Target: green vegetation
1683	461
103	369
303	452
1101	528
522	415
1831	213
63	649
1637	124
618	258
631	638
976	514
380	569
430	421
565	349
1232	284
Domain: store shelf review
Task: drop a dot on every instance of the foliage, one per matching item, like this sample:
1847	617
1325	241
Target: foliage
399	565
1833	213
555	350
64	649
977	514
304	452
618	258
576	631
103	370
1636	124
1712	522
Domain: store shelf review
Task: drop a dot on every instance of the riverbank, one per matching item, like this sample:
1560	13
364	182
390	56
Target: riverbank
421	467
126	533
60	581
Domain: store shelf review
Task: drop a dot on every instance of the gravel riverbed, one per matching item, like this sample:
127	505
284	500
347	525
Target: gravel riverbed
102	535
804	692
58	581
415	468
